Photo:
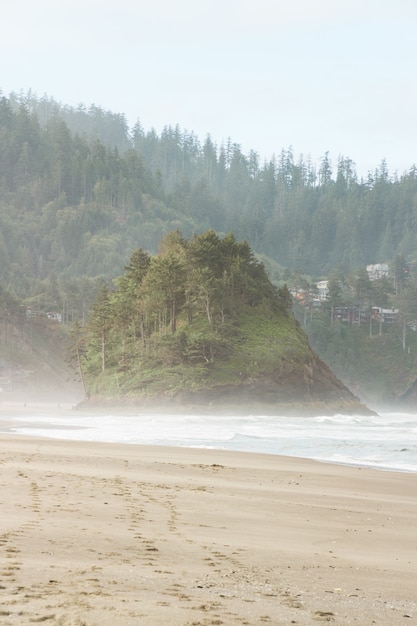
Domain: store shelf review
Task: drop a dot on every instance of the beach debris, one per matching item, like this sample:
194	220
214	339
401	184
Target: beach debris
325	616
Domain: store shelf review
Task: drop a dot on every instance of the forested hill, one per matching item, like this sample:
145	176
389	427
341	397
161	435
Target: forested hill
79	191
200	324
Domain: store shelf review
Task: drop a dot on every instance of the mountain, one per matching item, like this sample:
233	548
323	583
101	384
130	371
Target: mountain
79	191
33	360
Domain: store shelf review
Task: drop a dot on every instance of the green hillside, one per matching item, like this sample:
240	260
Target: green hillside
80	191
376	368
201	324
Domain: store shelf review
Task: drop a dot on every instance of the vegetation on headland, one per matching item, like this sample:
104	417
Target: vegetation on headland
201	324
176	315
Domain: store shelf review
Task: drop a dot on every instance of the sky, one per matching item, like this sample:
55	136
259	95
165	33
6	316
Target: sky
336	76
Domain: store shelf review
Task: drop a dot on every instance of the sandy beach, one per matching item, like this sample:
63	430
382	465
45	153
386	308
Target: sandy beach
107	534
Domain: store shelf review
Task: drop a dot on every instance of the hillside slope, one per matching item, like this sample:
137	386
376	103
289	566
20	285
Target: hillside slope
267	367
33	363
381	369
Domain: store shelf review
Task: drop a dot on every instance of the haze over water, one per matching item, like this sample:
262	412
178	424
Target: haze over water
385	441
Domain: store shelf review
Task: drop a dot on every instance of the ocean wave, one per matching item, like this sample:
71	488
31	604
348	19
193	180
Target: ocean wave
387	441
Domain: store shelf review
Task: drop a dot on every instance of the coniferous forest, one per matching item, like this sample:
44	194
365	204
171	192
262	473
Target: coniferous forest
80	191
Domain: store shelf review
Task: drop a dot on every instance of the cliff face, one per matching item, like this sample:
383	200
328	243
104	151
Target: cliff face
32	363
299	382
307	391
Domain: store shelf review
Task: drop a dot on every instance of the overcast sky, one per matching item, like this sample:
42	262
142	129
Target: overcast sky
317	75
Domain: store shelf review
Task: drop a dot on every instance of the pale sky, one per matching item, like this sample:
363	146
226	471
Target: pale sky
317	75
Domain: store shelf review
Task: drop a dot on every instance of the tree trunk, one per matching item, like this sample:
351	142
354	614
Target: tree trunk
103	352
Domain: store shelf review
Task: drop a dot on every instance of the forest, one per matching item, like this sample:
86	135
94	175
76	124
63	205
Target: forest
184	318
80	191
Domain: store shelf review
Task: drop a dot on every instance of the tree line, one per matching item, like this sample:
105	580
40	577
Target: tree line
79	190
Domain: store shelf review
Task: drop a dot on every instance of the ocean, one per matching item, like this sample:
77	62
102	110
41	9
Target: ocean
386	441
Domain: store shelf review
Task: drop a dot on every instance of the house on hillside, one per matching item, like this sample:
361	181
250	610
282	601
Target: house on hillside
323	290
298	294
377	271
54	315
353	314
386	316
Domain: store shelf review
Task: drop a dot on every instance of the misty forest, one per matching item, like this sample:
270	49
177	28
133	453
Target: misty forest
81	192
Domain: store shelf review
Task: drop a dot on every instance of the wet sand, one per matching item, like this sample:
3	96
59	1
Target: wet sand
106	534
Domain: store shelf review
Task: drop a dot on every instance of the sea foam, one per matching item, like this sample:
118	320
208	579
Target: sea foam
385	441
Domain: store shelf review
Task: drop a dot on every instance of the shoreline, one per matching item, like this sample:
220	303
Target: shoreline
8	430
98	533
290	409
12	420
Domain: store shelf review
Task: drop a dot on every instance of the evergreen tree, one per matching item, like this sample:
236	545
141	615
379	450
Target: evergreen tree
100	323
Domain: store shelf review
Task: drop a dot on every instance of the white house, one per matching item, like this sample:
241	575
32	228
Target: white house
53	315
323	289
377	271
387	316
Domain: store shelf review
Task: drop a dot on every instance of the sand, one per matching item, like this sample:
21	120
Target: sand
106	534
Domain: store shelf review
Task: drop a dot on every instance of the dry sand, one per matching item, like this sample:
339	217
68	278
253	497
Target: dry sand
113	535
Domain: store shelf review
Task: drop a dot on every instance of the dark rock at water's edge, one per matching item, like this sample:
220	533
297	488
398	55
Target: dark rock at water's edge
232	407
138	406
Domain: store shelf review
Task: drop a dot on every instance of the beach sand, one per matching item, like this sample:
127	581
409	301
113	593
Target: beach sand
115	535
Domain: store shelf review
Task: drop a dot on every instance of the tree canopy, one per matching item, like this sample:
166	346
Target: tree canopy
79	191
179	307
